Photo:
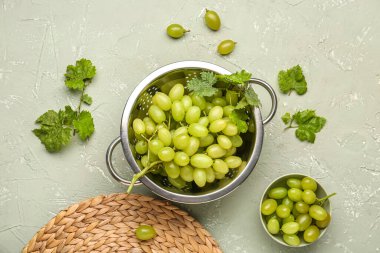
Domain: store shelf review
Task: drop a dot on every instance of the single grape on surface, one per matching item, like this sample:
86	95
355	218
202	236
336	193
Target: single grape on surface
176	31
145	232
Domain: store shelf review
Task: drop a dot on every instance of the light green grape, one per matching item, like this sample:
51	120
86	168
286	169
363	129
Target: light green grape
278	193
176	92
309	197
162	100
290	218
181	158
220	166
304	220
323	223
150	126
294	183
156	114
187	102
282	211
230	129
210	175
216	151
215	113
273	226
155	145
193	146
295	194
219	102
187	173
232	97
145	232
201	161
224	141
230	152
138	126
292	240
288	202
172	169
242	166
199	176
233	162
227	110
177	182
317	212
181	141
165	136
166	154
178	111
203	121
301	207
180	130
217	126
144	161
208	107
198	101
197	130
311	234
141	147
269	206
290	228
308	183
219	175
193	114
236	141
206	141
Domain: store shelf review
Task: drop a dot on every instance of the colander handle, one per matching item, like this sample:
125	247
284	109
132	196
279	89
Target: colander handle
273	97
110	167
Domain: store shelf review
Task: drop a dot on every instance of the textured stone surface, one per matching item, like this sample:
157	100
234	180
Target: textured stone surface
335	41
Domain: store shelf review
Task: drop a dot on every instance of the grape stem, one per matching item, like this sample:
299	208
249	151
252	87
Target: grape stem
322	201
141	174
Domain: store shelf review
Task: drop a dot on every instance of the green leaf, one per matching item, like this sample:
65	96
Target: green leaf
67	116
303	116
241	77
292	79
84	125
49	118
202	86
53	137
239	117
87	99
304	134
286	118
78	75
251	97
241	104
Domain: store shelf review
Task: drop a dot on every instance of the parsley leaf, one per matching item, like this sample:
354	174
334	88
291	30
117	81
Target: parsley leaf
308	124
84	125
78	75
251	97
292	79
241	77
202	86
87	99
239	117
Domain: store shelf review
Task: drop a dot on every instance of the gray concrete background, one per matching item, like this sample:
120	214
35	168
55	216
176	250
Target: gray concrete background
335	41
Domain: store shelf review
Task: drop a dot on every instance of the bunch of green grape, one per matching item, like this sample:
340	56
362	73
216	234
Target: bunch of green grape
189	139
296	212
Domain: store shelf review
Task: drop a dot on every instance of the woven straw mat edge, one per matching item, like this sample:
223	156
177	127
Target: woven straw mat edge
107	224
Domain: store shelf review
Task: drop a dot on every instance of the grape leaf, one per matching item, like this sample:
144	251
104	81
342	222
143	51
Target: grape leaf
202	86
84	125
87	99
292	79
251	97
241	77
78	75
239	117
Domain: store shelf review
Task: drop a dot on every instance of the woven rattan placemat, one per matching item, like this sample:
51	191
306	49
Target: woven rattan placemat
107	224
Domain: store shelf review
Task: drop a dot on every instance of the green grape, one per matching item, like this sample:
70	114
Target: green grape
227	110
242	166
212	20
155	145
219	175
218	94
141	147
308	196
206	141
186	101
282	211
251	126
198	101
217	126
323	223
165	136
220	166
145	232
273	216
301	207
215	151
177	182
199	176
210	175
232	97
290	218
201	161
288	202
203	121
181	158
162	100
208	107
150	126
311	234
193	114
197	130
295	194
230	152
224	141
317	213
304	220
268	206
181	141
233	162
176	92
278	193
180	130
156	114
219	102
226	47
215	113
187	173
192	147
308	183
176	31
236	141
273	226
166	154
294	183
230	129
295	213
292	240
138	126
290	228
159	126
172	169
178	111
153	157
145	161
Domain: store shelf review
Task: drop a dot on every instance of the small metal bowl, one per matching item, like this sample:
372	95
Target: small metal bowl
281	182
138	103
